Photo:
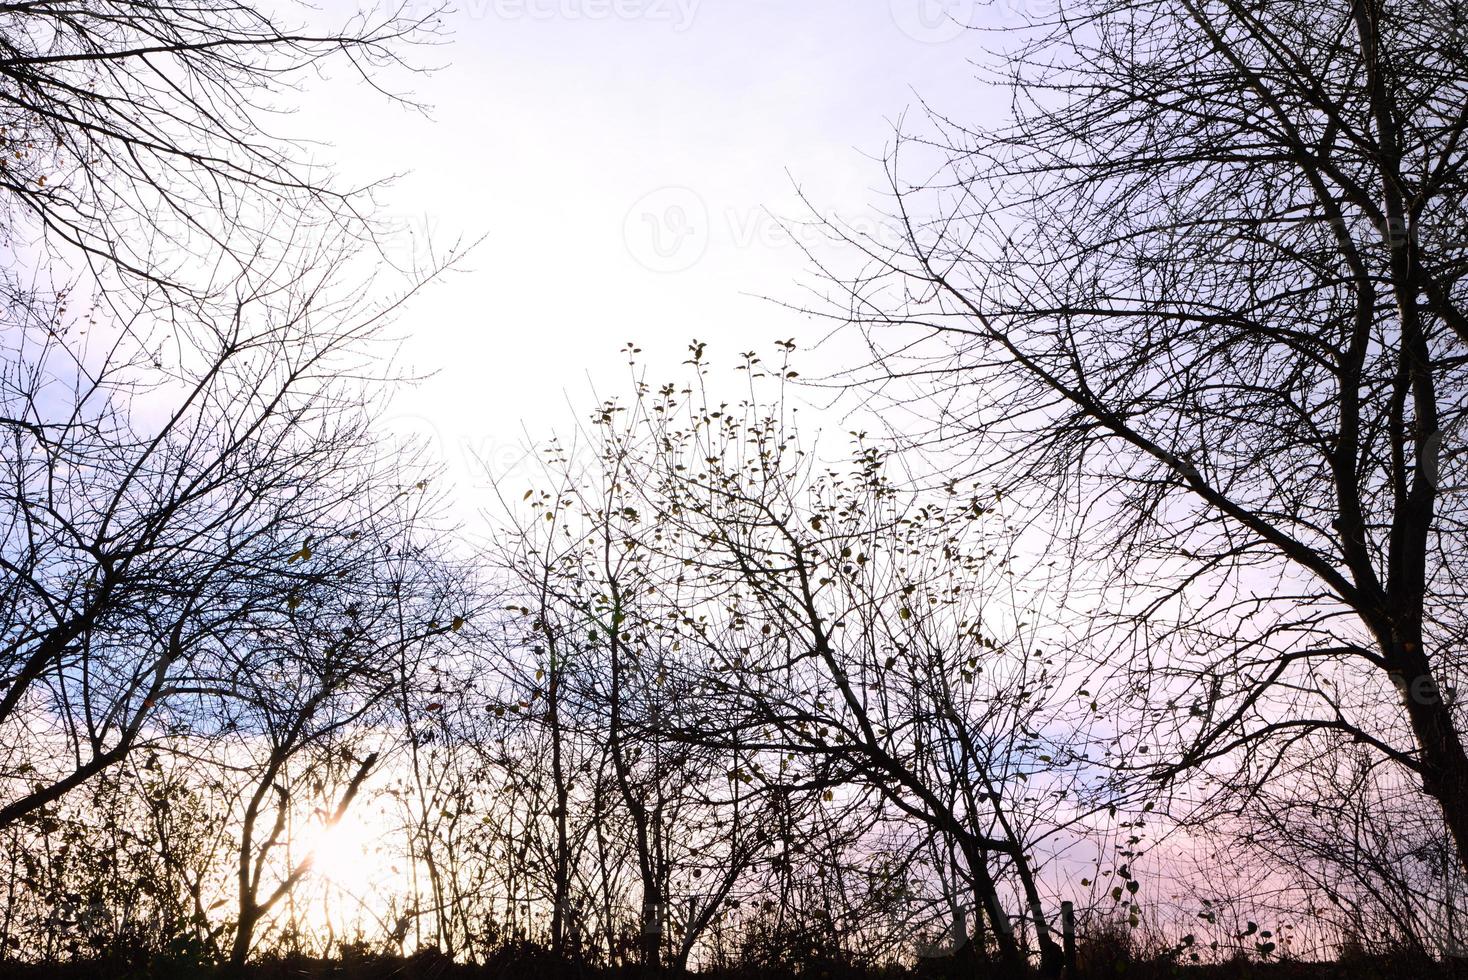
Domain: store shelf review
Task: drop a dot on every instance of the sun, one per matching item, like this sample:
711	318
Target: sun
353	882
342	853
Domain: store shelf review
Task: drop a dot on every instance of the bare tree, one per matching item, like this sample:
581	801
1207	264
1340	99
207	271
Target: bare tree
1202	296
135	134
192	408
827	629
307	693
156	514
609	684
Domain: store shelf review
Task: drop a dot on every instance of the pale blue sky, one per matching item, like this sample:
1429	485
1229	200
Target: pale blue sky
619	156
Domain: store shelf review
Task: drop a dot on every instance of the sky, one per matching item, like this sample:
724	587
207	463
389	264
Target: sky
627	163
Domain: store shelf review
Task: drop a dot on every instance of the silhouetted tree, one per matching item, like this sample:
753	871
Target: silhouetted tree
136	141
1203	296
824	629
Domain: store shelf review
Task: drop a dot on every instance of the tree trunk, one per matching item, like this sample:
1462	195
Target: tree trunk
650	940
1011	960
1444	761
561	871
